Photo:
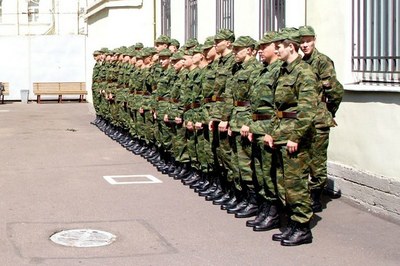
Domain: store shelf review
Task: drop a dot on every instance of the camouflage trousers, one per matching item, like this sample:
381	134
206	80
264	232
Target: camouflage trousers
319	158
145	126
192	148
264	160
163	135
179	145
292	178
222	149
204	153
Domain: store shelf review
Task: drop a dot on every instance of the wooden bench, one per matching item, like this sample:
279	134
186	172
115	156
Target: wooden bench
60	89
4	92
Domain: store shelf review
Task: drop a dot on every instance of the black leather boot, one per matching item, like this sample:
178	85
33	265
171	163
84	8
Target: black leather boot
263	209
316	204
286	232
239	206
252	207
300	235
270	221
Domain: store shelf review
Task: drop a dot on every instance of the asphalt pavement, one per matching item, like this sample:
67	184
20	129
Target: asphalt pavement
58	172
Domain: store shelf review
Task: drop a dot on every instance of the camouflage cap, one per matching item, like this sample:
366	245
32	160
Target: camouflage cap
225	34
188	52
191	43
97	52
306	31
177	56
208	43
244	41
152	50
267	38
104	50
291	34
139	45
165	52
175	43
147	51
163	39
198	49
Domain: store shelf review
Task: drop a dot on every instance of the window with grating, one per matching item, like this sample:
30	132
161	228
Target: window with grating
272	15
166	17
376	38
190	19
225	14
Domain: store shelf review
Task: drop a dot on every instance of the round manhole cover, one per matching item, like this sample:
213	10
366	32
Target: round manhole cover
83	238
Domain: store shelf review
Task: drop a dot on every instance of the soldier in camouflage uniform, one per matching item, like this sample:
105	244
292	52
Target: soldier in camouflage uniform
97	56
174	46
330	93
218	124
295	101
182	168
161	103
207	63
264	158
236	110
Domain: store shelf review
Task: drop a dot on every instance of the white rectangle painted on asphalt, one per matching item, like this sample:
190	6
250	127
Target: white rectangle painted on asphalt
131	179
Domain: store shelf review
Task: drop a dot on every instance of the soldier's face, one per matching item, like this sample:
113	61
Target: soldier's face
307	44
139	63
283	51
178	64
188	61
133	61
221	46
173	48
160	46
126	58
210	53
240	53
164	61
266	52
197	58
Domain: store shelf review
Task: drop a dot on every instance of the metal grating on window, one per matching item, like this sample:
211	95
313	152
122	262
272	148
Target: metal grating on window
190	19
272	15
166	17
376	35
225	14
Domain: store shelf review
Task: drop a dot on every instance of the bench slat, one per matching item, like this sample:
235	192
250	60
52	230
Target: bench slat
59	88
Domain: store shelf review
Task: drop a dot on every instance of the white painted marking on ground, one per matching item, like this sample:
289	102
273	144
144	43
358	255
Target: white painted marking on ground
4	111
83	238
133	179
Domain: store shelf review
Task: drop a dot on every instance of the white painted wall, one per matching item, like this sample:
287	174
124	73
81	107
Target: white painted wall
40	59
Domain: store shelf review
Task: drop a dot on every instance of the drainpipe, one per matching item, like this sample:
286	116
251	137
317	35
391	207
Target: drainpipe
305	12
154	20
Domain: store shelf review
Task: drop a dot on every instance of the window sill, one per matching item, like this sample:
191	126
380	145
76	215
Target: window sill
372	88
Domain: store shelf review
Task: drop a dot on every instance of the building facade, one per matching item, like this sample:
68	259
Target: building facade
360	36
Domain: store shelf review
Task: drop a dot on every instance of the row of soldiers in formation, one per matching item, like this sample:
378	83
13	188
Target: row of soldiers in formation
250	136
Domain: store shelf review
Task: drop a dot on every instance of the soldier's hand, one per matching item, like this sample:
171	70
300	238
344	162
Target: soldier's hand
229	132
141	110
165	118
244	131
250	137
223	126
198	125
189	126
155	115
211	125
292	146
178	120
268	140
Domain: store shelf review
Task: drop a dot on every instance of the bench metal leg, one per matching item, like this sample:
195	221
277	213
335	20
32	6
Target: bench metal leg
38	98
59	98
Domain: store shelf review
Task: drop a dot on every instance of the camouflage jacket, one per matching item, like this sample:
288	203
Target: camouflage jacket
222	74
262	97
330	91
296	96
237	94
